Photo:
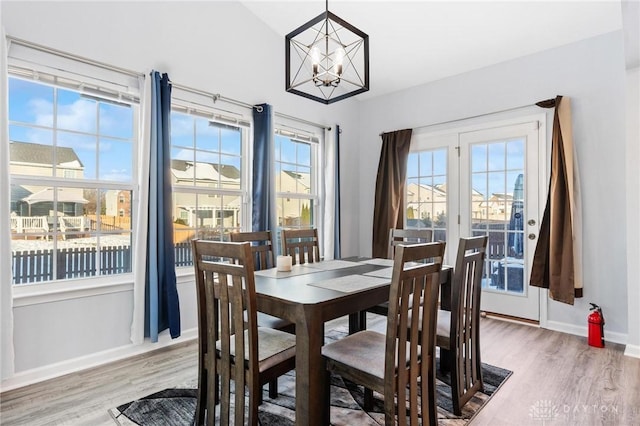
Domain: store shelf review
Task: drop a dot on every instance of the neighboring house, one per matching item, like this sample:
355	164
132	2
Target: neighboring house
118	203
209	211
37	160
497	207
294	211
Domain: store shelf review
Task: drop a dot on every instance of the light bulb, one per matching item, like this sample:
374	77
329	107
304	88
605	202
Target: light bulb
315	60
337	64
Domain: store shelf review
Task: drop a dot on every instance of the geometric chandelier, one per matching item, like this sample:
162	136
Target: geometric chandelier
327	59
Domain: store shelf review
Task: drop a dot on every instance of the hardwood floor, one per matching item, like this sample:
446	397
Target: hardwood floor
558	380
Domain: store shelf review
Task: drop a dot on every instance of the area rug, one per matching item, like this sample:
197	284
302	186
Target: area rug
176	407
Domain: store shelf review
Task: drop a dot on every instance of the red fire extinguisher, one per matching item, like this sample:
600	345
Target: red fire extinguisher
596	326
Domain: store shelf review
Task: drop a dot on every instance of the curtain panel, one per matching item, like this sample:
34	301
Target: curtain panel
390	183
263	204
331	229
557	262
162	309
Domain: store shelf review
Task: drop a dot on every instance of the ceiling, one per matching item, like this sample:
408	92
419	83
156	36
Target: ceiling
415	42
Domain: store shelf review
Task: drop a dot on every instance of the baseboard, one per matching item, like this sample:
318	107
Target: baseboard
609	336
52	371
632	351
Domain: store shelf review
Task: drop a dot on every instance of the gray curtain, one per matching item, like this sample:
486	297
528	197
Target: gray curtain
390	183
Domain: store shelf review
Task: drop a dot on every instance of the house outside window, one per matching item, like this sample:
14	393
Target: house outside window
70	152
208	163
426	192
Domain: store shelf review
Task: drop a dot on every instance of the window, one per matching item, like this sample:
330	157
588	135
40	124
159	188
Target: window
71	155
296	194
426	192
208	172
296	180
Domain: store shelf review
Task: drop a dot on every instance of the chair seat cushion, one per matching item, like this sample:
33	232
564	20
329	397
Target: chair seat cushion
363	351
271	343
269	321
443	328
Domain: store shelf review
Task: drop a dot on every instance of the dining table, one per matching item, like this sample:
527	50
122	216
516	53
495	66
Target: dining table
310	295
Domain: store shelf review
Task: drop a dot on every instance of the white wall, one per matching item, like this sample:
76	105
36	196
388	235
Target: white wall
218	47
633	207
591	73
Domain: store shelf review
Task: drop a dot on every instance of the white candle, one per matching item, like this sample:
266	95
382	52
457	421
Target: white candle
283	263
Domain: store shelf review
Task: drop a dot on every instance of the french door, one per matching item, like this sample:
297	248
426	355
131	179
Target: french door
484	180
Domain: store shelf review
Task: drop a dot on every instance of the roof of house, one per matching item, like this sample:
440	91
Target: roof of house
27	152
203	171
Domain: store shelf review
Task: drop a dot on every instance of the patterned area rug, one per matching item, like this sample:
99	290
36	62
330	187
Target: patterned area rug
176	407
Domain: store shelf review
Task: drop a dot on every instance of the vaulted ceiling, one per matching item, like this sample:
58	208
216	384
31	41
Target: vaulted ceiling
415	42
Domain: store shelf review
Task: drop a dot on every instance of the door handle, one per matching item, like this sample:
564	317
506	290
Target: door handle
532	236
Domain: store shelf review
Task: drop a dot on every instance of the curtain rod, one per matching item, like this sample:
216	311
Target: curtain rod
300	120
214	96
473	116
78	58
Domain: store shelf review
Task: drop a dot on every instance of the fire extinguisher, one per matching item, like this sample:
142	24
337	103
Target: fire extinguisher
596	326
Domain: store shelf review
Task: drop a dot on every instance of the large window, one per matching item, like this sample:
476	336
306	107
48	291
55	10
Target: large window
295	176
208	176
72	178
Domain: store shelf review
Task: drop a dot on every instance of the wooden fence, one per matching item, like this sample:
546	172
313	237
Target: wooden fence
38	265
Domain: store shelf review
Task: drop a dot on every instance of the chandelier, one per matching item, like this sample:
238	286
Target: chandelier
327	59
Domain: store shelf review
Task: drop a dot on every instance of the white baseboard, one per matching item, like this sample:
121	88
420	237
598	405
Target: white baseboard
51	371
609	336
632	351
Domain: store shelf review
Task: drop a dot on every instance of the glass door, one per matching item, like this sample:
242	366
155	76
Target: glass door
499	167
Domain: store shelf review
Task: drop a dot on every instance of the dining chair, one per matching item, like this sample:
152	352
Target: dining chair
261	247
301	245
407	236
397	237
231	346
458	331
262	250
395	364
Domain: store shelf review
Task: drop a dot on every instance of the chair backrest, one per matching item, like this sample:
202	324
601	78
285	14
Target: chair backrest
464	333
407	236
411	326
261	247
301	245
227	319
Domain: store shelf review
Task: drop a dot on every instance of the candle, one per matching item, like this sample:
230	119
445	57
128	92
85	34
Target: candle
283	263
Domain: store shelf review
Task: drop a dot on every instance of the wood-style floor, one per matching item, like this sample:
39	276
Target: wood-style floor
558	380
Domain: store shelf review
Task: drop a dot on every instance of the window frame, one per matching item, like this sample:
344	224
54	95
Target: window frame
184	103
298	132
65	72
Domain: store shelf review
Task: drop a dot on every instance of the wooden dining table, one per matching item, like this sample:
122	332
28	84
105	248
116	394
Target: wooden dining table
309	296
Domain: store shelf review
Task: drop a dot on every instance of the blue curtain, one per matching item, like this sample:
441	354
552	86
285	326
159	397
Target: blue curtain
263	203
162	308
336	215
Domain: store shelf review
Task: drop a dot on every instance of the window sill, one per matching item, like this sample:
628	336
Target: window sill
35	294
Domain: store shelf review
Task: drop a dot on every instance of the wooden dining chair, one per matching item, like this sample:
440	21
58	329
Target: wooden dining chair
407	236
301	245
397	237
395	364
231	346
261	247
263	258
458	331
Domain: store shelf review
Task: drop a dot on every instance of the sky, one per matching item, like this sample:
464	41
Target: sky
107	129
